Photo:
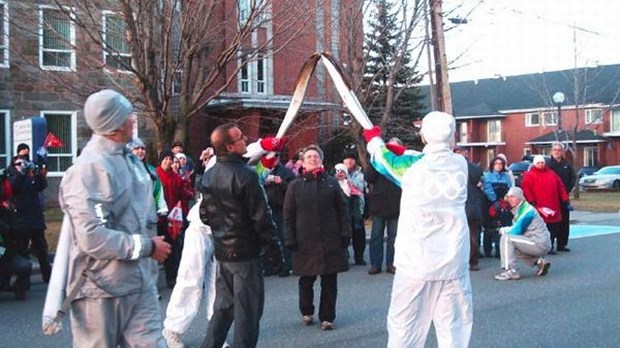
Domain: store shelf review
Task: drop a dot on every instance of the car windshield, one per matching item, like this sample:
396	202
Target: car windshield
519	166
609	170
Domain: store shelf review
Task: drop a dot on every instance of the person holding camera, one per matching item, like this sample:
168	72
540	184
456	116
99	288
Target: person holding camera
29	223
13	253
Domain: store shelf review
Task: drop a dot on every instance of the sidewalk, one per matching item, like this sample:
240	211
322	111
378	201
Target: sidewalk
580	217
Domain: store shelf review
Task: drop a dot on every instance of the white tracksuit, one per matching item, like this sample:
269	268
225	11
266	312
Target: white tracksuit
431	283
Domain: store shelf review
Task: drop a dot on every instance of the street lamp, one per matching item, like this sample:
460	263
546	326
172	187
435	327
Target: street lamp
558	99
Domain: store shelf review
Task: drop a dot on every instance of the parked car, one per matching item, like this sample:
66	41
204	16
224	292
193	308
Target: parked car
606	178
518	169
585	171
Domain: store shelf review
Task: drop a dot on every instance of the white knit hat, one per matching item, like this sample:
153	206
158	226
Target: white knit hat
106	110
538	159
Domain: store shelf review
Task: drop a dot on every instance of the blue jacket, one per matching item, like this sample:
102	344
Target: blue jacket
495	183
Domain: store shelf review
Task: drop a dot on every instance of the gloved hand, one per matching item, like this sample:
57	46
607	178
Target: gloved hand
568	206
371	133
268	162
503	230
397	149
344	242
273	144
50	327
273	253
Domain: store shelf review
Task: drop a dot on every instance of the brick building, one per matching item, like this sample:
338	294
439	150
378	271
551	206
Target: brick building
257	97
516	115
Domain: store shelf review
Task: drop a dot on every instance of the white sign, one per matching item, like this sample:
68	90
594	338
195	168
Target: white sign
22	133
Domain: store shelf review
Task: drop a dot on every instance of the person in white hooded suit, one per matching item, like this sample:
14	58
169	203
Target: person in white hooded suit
432	284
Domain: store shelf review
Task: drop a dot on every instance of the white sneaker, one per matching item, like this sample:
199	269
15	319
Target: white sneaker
173	339
543	266
510	274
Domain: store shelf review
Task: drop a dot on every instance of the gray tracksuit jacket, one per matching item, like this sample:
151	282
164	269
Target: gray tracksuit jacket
107	195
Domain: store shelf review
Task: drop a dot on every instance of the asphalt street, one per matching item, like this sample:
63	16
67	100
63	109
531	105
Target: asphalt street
576	305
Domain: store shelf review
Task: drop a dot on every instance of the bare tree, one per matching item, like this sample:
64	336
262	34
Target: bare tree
171	57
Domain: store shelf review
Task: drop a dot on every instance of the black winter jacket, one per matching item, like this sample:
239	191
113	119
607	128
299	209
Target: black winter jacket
234	205
565	171
316	220
28	206
276	192
384	196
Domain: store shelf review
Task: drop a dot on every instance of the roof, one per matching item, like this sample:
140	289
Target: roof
583	136
490	96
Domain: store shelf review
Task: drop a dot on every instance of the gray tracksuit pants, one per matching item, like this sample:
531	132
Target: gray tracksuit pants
520	247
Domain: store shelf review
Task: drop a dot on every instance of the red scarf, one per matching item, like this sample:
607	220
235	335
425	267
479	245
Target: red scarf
315	173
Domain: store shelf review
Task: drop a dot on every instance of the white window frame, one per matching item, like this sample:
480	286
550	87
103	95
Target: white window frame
72	35
4	33
244	82
261	69
495	137
7	139
614	121
528	119
104	21
589	116
463	134
527	151
590	156
550	118
73	151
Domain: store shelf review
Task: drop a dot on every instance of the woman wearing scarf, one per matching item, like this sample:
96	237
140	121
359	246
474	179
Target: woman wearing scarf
317	229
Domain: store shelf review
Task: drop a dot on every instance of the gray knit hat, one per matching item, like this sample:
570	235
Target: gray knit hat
516	192
106	110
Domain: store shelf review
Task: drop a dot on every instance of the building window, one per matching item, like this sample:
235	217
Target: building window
5	138
594	116
116	52
4	35
590	156
463	138
550	118
244	77
494	131
527	151
56	40
260	75
177	82
490	155
532	120
63	125
614	126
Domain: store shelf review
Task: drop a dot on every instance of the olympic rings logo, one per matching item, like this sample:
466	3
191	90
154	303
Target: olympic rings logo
446	184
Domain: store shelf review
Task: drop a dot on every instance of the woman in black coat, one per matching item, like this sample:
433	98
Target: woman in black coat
317	229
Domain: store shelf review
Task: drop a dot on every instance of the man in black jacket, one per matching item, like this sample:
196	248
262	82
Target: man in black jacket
566	172
275	186
384	208
235	207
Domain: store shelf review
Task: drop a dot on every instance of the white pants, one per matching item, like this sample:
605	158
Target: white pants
416	303
515	247
197	266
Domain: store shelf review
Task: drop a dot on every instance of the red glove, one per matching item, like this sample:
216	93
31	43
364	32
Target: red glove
371	133
396	148
273	144
268	163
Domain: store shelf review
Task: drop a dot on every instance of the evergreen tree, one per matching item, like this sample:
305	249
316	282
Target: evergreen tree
382	43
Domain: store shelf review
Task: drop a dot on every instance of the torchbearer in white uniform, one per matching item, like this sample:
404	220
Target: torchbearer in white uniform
108	202
432	246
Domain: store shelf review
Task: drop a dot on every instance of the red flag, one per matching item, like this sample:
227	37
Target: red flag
52	141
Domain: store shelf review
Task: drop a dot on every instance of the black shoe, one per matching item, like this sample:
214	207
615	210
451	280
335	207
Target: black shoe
565	249
551	252
360	263
391	269
284	274
374	270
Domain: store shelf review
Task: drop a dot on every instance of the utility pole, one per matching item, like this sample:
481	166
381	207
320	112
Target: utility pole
444	100
428	43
